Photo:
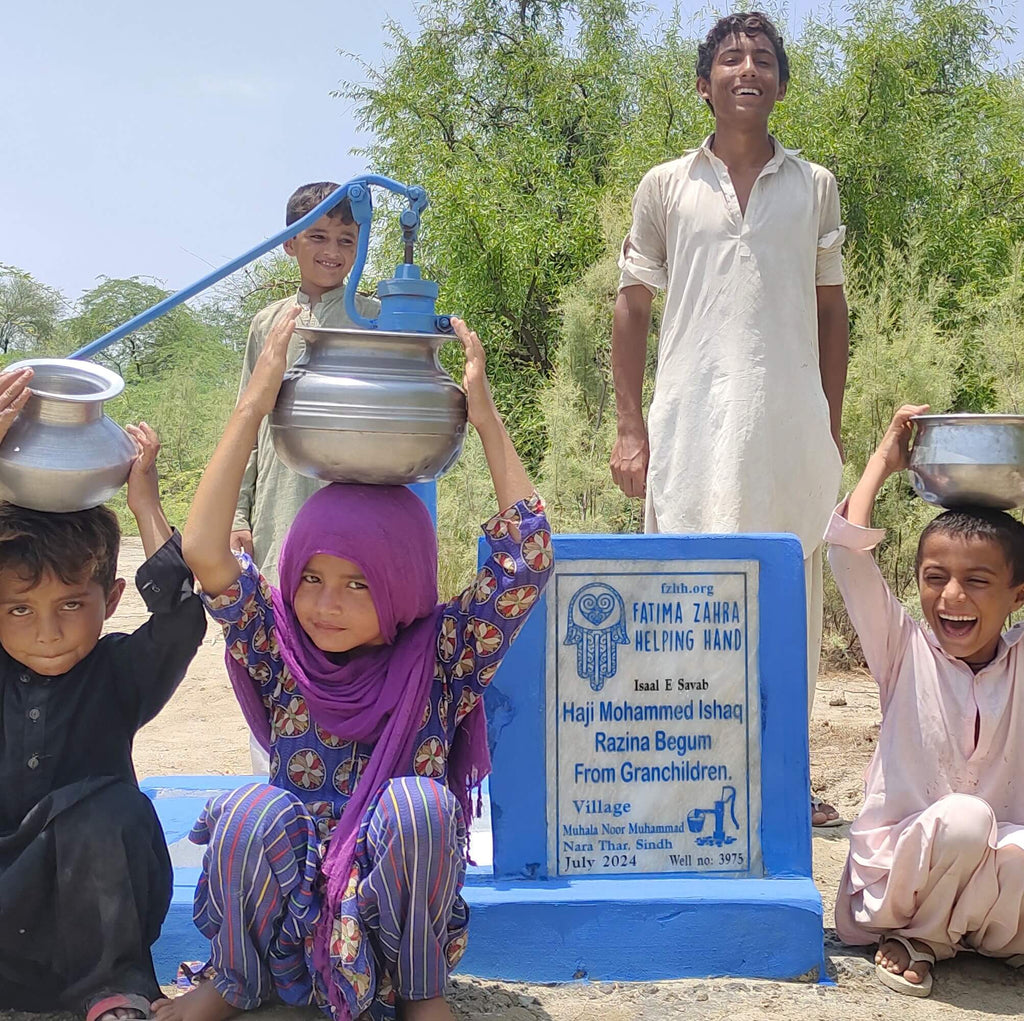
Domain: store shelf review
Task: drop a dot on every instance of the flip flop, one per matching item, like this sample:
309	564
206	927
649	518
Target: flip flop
119	1001
1017	961
898	983
817	806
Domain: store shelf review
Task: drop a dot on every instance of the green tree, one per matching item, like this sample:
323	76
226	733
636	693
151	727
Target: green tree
507	114
29	312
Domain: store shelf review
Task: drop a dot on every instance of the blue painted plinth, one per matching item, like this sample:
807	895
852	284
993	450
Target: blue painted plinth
643	929
617	929
603	929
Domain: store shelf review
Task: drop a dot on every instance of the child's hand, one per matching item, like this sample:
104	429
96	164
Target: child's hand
14	395
894	450
265	383
143	480
479	402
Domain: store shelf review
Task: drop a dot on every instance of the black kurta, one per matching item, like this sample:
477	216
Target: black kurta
85	879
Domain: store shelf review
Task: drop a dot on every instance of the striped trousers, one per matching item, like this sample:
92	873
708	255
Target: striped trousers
402	923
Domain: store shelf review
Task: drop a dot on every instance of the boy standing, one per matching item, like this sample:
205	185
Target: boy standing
85	878
743	432
272	493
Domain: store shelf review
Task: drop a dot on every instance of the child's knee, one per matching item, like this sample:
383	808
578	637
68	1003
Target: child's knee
965	825
421	800
252	811
419	808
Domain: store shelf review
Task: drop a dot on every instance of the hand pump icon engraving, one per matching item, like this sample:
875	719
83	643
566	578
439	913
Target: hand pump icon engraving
695	819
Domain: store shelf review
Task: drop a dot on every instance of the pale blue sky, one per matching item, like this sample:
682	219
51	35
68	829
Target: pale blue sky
160	139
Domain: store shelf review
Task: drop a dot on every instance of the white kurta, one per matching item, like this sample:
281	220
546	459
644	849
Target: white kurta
739	424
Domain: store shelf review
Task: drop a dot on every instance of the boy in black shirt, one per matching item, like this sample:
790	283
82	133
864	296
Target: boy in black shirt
85	878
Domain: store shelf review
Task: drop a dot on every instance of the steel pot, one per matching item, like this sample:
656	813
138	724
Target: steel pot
976	460
62	453
369	406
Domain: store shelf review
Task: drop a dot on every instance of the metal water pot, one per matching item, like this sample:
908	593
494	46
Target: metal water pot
968	459
62	453
369	406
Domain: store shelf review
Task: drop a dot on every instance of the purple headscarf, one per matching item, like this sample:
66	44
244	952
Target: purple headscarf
377	694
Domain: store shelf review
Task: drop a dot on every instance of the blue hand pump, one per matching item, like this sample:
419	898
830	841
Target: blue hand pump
407	300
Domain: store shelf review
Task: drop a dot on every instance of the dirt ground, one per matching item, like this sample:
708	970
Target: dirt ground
201	730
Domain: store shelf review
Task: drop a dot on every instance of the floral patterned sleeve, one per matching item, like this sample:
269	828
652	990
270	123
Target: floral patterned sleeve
246	614
478	627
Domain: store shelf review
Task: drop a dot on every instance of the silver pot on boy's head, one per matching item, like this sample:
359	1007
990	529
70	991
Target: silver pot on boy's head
369	406
62	453
975	460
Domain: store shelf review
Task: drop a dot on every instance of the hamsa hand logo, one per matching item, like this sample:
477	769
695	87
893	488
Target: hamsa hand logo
596	625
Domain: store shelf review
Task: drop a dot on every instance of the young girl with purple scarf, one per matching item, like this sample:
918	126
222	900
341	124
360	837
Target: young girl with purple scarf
339	883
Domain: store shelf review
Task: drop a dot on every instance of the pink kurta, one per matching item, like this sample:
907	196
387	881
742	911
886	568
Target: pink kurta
928	781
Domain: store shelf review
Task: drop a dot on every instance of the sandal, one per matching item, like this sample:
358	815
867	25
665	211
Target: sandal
818	805
898	983
119	1001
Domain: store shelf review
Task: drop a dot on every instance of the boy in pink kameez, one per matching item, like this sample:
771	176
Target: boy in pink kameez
936	862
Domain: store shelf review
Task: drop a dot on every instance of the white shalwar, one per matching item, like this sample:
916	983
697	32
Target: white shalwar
739	425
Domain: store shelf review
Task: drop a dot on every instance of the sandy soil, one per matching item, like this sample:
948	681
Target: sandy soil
201	730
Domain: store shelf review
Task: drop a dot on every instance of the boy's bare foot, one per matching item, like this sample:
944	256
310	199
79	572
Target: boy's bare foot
895	958
203	1003
436	1009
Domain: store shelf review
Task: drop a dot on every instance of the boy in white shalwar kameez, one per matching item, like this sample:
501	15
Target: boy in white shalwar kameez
744	236
936	862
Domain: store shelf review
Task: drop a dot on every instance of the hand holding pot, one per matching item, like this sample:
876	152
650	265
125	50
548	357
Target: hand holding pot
14	395
894	449
143	481
479	402
265	383
892	455
144	489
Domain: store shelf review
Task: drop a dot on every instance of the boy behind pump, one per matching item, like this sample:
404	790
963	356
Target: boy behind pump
85	877
272	493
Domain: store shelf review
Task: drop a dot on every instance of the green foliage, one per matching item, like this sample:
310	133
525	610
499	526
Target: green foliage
263	282
530	123
506	113
902	102
29	312
465	500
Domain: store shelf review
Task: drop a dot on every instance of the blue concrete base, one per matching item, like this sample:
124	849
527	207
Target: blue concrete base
644	929
605	929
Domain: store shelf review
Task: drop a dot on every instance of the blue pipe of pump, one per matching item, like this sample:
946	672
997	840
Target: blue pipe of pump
359	194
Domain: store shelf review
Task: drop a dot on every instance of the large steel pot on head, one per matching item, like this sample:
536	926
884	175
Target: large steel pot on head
62	453
369	406
961	460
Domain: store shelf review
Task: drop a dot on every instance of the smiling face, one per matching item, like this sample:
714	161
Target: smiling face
334	607
325	253
744	82
52	625
967	592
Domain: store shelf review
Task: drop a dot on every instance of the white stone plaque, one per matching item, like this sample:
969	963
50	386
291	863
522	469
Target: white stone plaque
653	730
